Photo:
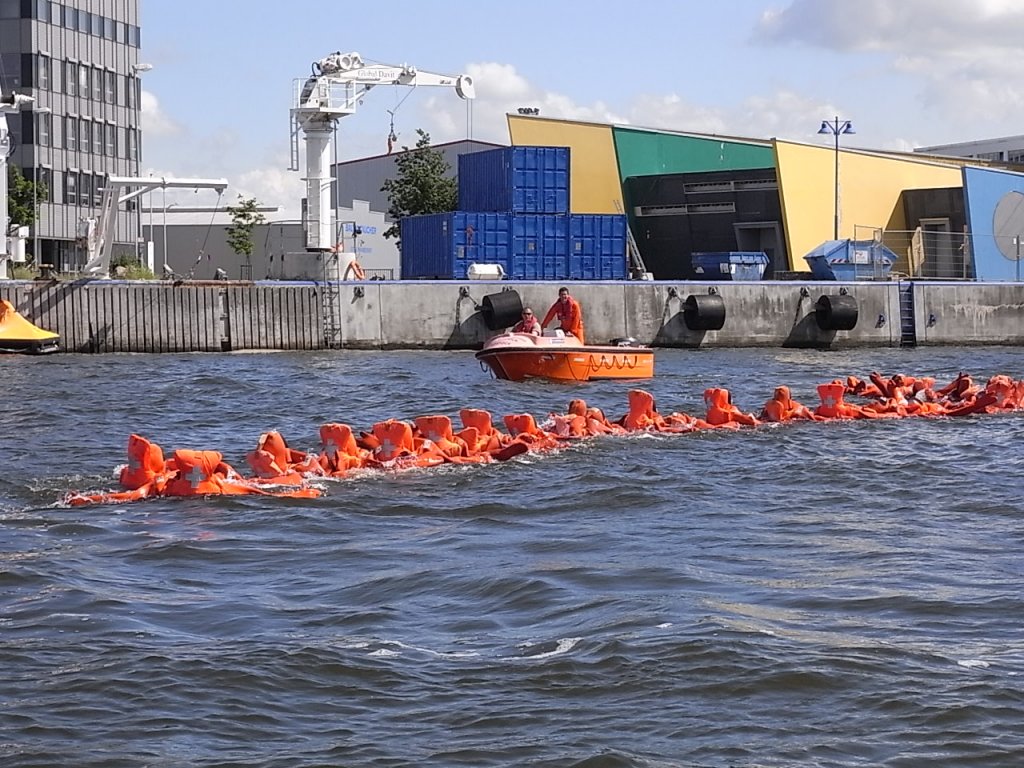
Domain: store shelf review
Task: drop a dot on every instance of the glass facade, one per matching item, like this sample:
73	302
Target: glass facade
78	59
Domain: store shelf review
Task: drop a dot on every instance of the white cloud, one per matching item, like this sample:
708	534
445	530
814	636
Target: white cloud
155	122
965	54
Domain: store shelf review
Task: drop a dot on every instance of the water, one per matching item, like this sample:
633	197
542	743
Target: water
808	594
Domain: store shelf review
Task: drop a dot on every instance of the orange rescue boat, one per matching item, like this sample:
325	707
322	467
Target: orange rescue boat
560	357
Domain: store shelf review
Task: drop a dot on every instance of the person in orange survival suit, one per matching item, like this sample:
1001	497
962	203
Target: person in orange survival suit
569	314
528	323
782	407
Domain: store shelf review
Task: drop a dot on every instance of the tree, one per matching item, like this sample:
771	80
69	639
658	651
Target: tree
244	219
421	186
22	197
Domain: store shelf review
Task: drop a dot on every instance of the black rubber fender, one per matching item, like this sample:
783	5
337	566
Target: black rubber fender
836	312
705	312
500	310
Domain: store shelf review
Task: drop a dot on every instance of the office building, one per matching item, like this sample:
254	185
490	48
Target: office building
79	60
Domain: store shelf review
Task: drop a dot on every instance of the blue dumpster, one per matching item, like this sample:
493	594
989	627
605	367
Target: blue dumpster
729	265
848	260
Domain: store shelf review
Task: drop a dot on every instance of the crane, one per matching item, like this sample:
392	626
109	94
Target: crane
98	232
9	104
334	89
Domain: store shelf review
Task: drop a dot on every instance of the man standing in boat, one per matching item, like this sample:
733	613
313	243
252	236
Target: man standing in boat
569	314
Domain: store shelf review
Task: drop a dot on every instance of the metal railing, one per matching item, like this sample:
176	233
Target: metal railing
928	252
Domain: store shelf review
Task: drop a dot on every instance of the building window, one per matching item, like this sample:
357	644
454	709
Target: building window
97	138
97	84
71	187
42	10
84	135
45	180
43	128
111	132
70	18
71	78
83	80
133	144
108	29
110	87
1016	156
71	133
43	67
97	25
134	38
85	189
129	88
122	32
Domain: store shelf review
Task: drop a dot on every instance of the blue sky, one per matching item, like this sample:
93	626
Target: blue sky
907	73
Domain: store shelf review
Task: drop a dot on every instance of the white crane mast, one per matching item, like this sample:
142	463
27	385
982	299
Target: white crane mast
333	90
8	105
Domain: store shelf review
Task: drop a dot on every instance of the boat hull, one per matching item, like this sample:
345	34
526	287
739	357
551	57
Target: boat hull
570	363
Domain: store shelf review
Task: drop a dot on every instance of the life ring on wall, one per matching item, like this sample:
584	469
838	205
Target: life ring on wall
356	269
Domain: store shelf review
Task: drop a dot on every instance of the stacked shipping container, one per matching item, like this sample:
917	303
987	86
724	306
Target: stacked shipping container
514	212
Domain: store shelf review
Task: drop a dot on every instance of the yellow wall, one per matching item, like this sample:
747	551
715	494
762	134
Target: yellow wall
869	192
594	171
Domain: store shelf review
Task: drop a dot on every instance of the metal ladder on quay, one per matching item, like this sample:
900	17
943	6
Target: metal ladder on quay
908	320
636	261
330	304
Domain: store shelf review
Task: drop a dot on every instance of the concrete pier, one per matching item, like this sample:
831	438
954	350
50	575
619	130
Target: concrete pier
120	316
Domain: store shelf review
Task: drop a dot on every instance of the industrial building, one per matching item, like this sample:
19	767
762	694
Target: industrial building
79	60
943	216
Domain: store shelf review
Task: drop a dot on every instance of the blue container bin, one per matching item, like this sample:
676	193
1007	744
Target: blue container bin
515	180
849	260
729	265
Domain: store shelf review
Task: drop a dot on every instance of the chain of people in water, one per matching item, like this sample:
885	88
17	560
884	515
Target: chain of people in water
431	441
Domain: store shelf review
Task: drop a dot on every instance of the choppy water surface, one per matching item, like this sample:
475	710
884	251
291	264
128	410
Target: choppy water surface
812	594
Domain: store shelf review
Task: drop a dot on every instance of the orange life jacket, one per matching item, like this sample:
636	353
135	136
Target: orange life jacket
338	449
145	464
722	412
643	413
569	425
394	438
489	439
834	407
202	473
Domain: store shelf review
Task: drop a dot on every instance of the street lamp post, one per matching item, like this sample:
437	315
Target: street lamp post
35	183
137	69
837	128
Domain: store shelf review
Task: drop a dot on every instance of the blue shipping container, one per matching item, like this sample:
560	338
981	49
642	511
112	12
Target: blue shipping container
597	247
539	247
515	180
441	246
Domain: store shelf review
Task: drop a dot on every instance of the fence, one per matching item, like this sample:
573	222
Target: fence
931	251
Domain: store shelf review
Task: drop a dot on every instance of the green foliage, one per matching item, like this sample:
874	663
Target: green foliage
245	218
126	266
421	185
22	196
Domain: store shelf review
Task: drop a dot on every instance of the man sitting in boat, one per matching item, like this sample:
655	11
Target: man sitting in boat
528	324
569	314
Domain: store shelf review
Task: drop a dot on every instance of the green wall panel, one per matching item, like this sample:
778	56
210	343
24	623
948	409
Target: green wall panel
649	153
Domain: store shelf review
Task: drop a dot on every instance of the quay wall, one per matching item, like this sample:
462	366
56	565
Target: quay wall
94	316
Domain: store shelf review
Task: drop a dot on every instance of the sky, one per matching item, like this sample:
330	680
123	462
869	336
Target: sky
906	73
